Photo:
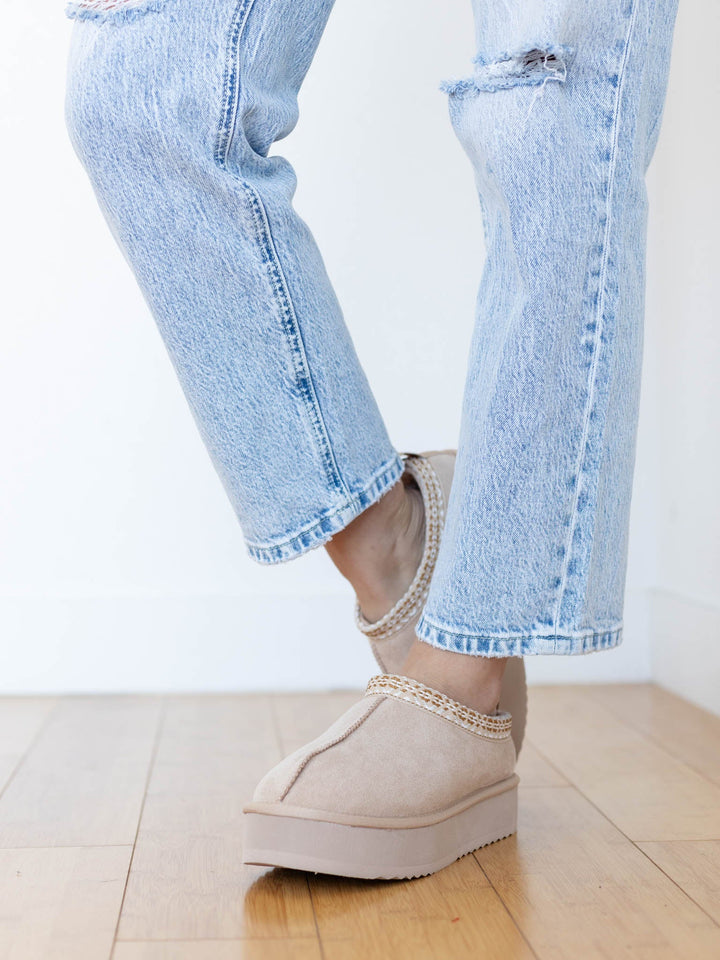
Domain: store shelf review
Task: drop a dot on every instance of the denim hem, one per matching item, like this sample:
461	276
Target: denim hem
321	529
518	645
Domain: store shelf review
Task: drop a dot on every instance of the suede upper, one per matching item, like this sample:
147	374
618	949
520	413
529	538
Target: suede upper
390	757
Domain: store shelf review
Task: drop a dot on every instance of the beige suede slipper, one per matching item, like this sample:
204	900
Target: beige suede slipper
392	636
404	783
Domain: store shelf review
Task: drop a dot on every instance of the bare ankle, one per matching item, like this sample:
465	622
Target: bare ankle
381	549
471	680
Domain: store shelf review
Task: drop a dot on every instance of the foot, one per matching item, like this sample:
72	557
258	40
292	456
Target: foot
404	783
380	551
391	601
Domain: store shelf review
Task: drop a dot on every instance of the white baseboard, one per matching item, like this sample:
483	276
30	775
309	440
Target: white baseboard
686	648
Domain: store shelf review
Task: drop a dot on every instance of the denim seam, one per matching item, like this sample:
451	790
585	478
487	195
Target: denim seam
293	334
527	644
582	453
378	476
231	100
275	273
323	527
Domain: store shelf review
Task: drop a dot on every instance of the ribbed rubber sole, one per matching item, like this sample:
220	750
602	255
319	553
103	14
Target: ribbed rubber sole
398	850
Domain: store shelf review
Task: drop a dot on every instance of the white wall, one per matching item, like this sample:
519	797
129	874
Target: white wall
122	567
684	367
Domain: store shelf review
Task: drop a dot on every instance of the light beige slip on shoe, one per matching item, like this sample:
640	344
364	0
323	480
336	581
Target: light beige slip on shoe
404	783
392	636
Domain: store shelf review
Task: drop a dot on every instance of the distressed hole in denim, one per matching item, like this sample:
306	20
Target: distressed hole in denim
114	11
533	66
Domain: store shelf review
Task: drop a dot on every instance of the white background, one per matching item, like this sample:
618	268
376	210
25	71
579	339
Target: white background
122	567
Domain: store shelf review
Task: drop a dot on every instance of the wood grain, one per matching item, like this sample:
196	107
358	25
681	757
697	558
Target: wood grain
577	888
602	767
219	950
695	866
454	913
20	720
535	771
689	733
60	903
84	779
187	880
648	793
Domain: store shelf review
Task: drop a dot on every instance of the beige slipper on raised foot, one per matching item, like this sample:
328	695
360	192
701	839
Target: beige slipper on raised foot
404	783
392	635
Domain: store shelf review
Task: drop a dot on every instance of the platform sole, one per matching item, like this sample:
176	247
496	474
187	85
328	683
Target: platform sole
390	849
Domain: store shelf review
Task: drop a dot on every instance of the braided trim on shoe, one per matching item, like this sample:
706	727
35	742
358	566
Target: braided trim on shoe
409	606
493	727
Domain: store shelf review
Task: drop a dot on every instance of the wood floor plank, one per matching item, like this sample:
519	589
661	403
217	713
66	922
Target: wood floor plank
578	888
684	730
569	886
187	880
643	789
454	913
20	720
218	950
60	903
694	865
83	781
214	745
535	771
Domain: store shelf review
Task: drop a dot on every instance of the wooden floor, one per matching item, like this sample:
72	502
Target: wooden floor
120	826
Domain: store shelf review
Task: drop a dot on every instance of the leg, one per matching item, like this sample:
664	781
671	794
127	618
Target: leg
560	131
173	106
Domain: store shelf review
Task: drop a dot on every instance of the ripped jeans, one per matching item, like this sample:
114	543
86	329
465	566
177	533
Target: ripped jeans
173	106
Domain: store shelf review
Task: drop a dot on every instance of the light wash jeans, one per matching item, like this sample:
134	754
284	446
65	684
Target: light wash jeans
173	105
